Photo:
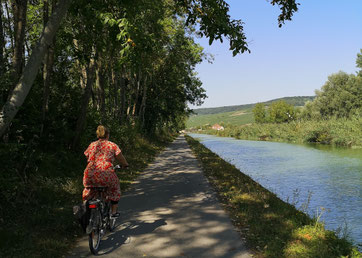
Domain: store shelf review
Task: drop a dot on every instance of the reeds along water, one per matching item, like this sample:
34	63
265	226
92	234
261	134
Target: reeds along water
339	132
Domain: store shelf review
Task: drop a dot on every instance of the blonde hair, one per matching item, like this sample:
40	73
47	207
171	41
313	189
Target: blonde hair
102	132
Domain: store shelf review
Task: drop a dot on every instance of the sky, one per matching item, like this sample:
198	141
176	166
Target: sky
323	38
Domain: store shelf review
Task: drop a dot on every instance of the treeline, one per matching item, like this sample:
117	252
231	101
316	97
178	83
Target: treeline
126	61
340	97
111	63
294	101
334	116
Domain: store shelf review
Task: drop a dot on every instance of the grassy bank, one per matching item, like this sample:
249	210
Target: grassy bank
340	132
271	227
40	187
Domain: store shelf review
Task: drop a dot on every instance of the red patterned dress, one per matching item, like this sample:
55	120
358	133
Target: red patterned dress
99	171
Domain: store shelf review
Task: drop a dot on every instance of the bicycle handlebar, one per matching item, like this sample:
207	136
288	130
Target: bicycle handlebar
119	167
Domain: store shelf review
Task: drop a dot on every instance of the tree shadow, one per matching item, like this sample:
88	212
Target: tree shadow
116	239
177	213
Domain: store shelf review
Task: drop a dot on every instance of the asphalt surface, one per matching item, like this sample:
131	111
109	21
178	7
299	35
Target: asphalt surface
171	211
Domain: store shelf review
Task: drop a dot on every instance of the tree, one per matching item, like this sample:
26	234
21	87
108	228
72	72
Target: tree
310	111
19	13
359	62
281	112
2	43
340	96
259	113
48	65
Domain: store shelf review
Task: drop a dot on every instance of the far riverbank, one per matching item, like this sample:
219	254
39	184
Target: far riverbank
338	132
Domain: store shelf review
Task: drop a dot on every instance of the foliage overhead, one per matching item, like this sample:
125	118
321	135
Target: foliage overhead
215	23
122	46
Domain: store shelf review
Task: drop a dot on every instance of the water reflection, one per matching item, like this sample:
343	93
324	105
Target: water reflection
332	175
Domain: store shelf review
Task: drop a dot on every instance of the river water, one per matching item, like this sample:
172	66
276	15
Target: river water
316	179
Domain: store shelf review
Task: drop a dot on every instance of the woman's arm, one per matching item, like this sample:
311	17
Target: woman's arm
121	159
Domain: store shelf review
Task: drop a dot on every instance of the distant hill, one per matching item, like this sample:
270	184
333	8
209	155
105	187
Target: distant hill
235	115
295	101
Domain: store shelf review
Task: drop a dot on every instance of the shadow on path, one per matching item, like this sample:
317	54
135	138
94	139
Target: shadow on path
116	239
171	211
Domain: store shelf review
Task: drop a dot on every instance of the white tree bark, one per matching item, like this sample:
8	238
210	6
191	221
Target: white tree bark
27	78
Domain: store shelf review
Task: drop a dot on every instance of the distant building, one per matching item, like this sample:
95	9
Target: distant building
218	127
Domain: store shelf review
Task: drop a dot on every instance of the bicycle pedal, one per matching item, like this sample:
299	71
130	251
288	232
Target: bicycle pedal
103	232
89	229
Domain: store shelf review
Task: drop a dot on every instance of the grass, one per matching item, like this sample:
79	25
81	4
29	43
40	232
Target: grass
36	199
272	228
231	118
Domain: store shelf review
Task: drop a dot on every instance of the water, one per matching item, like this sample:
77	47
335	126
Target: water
331	176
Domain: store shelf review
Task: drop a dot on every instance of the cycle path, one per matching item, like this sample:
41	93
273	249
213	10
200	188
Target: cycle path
171	211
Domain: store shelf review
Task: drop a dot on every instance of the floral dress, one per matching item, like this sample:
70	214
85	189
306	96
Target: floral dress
99	171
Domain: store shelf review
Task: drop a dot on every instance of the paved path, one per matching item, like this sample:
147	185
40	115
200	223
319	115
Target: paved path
170	212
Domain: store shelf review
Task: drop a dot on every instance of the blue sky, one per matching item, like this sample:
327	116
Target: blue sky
324	37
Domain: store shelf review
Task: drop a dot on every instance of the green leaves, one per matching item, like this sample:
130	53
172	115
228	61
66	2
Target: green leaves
259	113
281	112
288	8
359	61
340	96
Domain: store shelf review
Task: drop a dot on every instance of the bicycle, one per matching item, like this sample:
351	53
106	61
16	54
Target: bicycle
100	218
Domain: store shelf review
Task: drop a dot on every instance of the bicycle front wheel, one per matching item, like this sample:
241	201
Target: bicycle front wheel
95	234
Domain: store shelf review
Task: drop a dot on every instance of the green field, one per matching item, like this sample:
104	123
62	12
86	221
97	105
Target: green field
240	117
235	115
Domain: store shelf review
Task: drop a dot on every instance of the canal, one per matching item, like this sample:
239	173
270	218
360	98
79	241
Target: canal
322	181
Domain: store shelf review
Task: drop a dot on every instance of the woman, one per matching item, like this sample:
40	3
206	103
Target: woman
99	172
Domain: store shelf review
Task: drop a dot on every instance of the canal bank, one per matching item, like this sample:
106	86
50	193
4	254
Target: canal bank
272	226
333	131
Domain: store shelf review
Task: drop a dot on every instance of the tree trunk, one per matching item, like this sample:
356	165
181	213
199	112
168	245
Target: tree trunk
122	112
47	69
141	114
100	88
82	68
114	98
11	34
2	42
136	97
19	13
85	102
102	94
23	87
130	87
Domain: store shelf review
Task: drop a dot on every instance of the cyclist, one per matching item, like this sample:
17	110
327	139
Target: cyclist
99	172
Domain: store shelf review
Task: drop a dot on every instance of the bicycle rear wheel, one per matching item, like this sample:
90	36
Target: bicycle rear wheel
95	234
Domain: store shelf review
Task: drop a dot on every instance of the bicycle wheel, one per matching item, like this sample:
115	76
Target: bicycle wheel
95	234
